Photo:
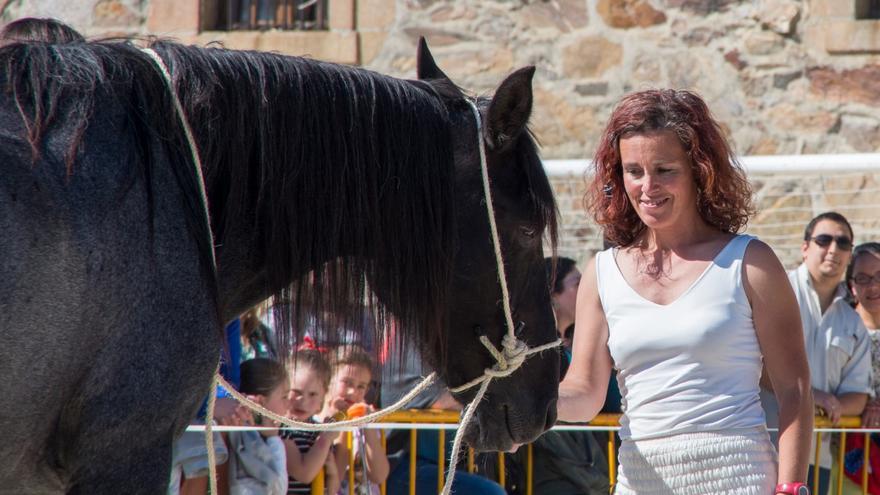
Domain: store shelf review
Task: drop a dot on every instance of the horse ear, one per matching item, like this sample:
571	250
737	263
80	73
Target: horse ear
510	108
426	68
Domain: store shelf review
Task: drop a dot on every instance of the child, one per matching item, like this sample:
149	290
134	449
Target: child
258	462
352	373
309	451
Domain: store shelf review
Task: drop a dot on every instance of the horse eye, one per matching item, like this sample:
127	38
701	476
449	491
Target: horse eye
528	232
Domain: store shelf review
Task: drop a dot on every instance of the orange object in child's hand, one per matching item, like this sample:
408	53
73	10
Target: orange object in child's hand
357	410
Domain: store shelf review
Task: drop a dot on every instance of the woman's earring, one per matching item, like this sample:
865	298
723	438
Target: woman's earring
608	190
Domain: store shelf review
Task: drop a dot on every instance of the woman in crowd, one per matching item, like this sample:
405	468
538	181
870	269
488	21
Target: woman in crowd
863	279
685	309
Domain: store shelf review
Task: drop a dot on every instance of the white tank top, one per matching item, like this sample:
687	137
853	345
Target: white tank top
692	365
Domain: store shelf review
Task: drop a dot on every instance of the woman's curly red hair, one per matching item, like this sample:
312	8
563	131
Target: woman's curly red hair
725	194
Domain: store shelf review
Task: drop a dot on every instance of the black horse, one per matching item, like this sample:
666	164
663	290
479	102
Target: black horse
324	183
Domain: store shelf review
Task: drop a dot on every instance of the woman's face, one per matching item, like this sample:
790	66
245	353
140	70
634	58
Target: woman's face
866	282
306	396
658	178
564	300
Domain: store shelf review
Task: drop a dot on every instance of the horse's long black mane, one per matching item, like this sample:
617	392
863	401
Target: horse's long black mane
343	177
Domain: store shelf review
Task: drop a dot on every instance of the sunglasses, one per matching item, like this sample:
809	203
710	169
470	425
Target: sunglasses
865	279
825	240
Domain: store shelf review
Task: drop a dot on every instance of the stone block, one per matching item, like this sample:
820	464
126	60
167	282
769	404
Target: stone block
763	43
861	85
780	16
797	119
862	133
589	57
733	58
173	17
646	70
370	45
842	9
763	146
114	13
627	14
559	121
595	88
340	14
782	79
375	14
851	36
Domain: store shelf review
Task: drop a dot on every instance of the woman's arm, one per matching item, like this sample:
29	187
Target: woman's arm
780	334
582	392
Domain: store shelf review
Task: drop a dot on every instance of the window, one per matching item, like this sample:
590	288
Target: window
300	15
867	9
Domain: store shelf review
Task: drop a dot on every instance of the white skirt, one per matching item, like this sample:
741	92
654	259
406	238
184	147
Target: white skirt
735	462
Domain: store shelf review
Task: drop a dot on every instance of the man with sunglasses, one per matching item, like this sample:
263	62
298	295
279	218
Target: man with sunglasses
837	344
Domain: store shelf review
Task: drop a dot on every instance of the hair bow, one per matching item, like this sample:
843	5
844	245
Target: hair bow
310	345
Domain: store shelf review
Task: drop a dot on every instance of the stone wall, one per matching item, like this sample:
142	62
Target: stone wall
783	76
762	65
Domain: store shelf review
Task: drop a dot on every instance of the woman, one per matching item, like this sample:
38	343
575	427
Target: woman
685	309
863	279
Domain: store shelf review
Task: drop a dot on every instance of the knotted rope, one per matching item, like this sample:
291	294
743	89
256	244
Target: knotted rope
508	359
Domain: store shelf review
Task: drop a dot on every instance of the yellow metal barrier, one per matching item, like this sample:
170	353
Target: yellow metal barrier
609	422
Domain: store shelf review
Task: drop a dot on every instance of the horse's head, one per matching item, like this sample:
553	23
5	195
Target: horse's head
521	406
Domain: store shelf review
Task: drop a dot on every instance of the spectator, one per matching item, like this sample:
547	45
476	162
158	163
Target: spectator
257	338
863	280
400	374
257	461
309	451
837	344
32	29
352	375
